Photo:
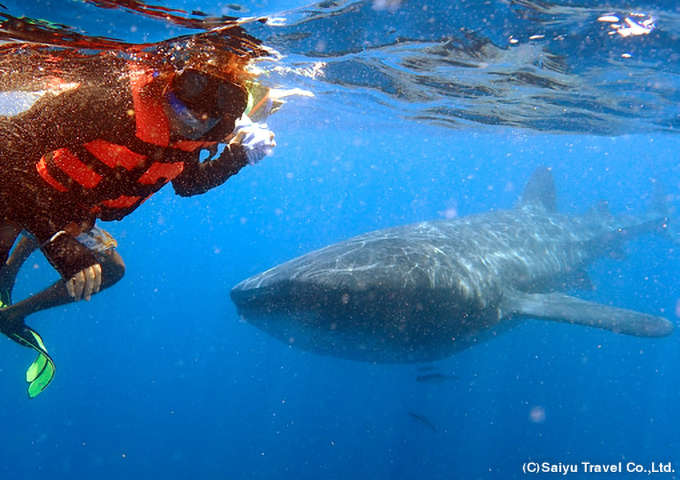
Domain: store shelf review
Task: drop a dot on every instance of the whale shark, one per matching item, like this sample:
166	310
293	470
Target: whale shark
422	292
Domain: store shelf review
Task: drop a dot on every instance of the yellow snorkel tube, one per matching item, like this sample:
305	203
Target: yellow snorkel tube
261	102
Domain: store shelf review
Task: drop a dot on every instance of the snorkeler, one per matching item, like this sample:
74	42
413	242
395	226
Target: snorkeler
102	133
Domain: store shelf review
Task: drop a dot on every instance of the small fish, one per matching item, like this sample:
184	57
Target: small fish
424	421
435	378
426	368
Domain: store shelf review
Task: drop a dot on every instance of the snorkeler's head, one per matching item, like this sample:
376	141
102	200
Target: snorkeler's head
200	102
225	55
208	83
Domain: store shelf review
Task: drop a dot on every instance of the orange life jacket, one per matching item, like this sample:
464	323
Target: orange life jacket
112	180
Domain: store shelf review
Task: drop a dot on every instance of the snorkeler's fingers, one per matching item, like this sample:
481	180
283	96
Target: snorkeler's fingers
98	278
76	285
93	280
237	138
70	288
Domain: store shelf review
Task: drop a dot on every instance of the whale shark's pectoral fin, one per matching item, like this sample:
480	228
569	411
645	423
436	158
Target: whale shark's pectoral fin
563	308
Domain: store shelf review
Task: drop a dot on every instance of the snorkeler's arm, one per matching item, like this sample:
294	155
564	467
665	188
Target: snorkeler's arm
66	254
76	264
250	142
199	177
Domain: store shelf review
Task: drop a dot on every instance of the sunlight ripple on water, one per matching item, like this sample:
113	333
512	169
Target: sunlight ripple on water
554	67
569	66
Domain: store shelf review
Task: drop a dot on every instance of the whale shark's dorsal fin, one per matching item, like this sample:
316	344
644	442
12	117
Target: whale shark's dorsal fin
539	191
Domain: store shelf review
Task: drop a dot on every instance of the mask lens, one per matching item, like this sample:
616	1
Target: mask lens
200	101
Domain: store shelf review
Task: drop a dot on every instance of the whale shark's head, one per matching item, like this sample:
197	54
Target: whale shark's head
368	324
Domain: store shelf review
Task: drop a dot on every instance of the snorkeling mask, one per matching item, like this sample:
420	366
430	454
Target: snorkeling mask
198	102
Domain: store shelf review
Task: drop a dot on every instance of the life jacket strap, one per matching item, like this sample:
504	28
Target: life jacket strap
114	155
151	122
167	171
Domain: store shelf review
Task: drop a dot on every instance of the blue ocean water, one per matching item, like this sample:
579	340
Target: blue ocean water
159	379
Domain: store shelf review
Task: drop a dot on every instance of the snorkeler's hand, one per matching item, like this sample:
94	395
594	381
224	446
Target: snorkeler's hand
255	138
85	283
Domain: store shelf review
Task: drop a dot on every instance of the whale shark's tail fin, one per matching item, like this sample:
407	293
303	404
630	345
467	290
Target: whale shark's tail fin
563	308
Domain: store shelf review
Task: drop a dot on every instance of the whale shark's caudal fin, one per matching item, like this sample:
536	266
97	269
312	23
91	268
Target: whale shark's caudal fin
563	308
539	191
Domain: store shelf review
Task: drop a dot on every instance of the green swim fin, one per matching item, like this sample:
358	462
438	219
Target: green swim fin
40	373
5	298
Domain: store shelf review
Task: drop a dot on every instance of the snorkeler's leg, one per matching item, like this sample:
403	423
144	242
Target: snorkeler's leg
8	272
23	250
113	269
8	234
41	371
